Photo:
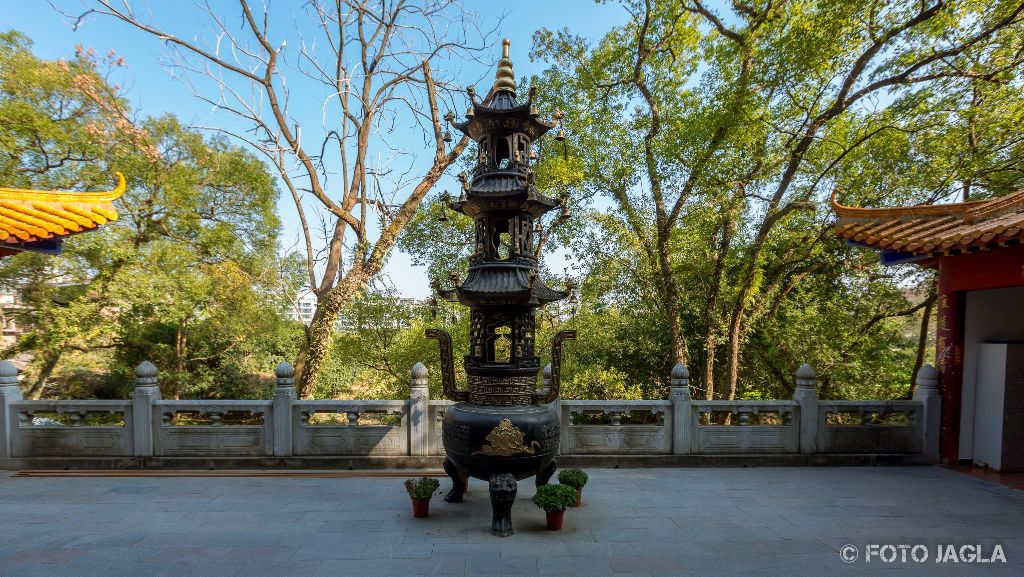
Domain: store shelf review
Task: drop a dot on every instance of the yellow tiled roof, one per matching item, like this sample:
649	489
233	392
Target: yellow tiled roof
934	229
27	216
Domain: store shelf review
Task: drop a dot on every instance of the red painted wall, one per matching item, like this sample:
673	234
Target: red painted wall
995	268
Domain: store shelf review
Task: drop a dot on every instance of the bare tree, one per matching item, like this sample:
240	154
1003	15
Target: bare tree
353	187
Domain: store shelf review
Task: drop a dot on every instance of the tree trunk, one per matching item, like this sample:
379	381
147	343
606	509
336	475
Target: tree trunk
710	346
50	360
316	347
711	306
671	290
663	222
179	360
710	336
732	376
922	343
314	350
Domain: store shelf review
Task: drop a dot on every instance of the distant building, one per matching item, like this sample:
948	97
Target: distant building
304	307
10	300
398	313
12	305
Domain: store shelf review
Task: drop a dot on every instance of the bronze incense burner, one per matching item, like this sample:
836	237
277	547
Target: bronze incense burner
502	429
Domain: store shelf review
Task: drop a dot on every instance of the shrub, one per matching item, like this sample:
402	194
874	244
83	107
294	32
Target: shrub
573	477
553	498
422	488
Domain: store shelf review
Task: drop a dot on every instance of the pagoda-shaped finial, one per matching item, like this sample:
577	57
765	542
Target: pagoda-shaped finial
505	79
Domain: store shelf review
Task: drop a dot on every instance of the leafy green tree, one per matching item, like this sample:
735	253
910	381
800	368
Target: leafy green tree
59	122
59	119
380	339
187	277
717	138
202	290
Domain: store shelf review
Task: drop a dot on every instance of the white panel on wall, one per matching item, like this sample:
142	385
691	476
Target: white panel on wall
990	387
991	315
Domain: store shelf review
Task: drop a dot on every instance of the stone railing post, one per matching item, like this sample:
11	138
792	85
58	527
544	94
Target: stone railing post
927	392
682	404
419	410
147	391
806	395
284	395
9	393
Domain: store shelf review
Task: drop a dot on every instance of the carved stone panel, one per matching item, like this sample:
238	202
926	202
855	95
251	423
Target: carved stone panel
869	439
713	439
71	432
72	442
436	417
619	439
198	441
360	440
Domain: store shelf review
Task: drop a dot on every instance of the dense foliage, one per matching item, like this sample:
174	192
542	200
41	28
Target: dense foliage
574	478
188	275
705	145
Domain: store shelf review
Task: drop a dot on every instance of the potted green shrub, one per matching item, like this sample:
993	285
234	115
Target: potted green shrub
554	499
421	490
576	479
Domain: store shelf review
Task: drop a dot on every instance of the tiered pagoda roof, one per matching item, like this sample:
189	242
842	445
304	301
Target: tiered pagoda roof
501	110
503	285
38	220
922	231
506	193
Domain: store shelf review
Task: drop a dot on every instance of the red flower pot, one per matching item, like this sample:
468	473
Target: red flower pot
555	519
420	508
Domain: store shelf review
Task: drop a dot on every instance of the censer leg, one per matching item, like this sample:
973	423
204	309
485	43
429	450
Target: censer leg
544	475
459	481
503	495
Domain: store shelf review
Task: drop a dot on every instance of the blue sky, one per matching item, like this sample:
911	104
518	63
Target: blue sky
152	89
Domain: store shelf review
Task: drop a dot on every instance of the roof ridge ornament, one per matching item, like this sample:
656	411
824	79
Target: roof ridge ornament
505	78
1007	203
30	194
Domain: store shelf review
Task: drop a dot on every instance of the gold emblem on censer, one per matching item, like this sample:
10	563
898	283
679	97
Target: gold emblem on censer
506	440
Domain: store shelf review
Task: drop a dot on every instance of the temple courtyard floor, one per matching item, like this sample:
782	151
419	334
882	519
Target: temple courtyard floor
702	522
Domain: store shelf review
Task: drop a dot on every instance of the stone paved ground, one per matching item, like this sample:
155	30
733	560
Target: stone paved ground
701	522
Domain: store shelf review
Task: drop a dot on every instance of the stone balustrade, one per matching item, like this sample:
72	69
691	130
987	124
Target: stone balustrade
70	428
351	428
284	426
212	428
597	427
723	427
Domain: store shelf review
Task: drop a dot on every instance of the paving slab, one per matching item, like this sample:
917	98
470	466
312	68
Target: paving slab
707	522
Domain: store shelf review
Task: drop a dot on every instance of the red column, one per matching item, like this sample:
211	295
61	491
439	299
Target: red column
949	353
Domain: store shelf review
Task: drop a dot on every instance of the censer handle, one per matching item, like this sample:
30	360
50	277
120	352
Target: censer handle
444	342
556	366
